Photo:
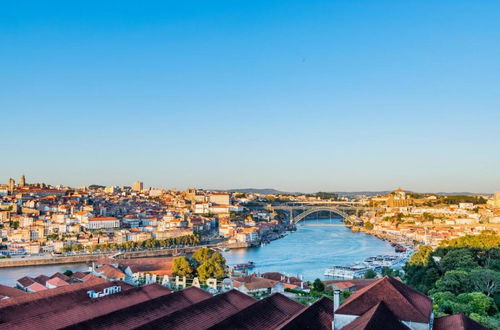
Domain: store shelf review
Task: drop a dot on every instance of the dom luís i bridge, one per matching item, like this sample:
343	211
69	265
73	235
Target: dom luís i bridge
300	211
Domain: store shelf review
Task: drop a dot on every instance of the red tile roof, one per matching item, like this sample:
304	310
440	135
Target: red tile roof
267	313
407	304
147	311
50	293
204	314
7	291
456	322
62	311
318	316
57	282
110	272
377	317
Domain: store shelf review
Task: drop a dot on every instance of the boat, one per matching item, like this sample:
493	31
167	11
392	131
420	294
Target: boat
248	265
225	249
347	272
400	249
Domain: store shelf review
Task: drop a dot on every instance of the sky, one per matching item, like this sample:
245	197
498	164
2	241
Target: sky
292	95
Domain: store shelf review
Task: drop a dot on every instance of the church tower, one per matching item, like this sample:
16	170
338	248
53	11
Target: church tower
22	181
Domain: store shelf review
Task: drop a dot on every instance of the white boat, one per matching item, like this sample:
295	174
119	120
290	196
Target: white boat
347	272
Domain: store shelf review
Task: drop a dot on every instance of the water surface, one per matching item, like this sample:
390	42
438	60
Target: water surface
311	249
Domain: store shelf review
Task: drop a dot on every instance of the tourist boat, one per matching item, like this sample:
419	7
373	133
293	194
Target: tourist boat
248	265
400	249
347	272
381	261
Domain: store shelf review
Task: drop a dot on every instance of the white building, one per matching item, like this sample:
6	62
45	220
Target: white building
103	223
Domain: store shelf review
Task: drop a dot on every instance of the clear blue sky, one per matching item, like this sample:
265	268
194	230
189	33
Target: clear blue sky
294	95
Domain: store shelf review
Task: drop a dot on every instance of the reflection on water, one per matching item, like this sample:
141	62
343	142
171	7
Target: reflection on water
311	249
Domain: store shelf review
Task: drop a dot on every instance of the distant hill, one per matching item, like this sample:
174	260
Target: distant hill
264	191
271	191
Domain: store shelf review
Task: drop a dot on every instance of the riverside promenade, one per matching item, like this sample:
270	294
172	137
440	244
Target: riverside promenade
73	259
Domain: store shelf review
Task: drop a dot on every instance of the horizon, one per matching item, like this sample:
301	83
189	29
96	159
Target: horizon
302	97
147	186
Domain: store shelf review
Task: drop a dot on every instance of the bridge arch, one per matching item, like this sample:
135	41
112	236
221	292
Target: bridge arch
312	210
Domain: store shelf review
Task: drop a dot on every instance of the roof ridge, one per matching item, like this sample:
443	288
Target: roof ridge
404	296
361	292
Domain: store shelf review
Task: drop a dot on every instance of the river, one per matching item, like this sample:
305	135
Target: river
308	251
311	249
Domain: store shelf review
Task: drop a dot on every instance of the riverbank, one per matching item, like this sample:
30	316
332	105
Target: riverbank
310	250
391	238
87	258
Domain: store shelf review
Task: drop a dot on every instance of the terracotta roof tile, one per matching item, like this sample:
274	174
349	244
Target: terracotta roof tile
456	322
205	313
377	317
318	316
49	293
267	313
407	304
145	312
60	312
7	291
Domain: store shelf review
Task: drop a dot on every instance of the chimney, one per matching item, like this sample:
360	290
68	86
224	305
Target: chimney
336	300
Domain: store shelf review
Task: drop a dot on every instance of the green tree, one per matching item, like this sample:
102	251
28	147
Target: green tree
68	272
421	257
370	273
182	267
477	302
211	269
318	285
455	281
486	281
368	225
202	255
458	259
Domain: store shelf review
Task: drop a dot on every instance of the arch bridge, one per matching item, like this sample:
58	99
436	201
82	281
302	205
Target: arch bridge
308	210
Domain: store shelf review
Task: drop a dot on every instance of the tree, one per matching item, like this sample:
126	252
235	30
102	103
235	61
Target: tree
486	281
368	225
182	267
455	281
211	269
370	273
421	257
477	302
387	271
458	259
202	255
318	285
68	272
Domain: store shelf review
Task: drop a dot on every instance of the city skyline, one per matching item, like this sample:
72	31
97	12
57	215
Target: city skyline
138	185
316	96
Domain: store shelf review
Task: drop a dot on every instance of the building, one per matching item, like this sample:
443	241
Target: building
138	186
219	198
388	296
22	181
103	223
99	304
11	185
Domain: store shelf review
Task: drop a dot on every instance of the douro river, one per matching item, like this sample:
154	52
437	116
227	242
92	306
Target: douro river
311	249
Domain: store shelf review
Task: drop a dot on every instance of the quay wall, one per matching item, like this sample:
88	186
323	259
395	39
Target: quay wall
37	261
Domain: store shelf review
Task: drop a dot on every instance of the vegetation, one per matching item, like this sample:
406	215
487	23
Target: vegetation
462	276
455	199
370	273
68	272
130	245
318	286
205	263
